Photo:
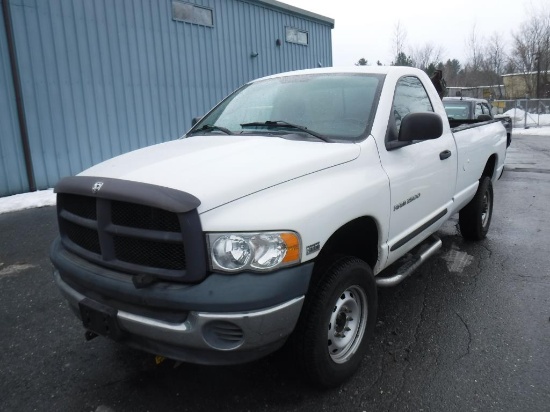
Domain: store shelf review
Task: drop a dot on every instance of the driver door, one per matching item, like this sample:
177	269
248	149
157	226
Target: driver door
422	175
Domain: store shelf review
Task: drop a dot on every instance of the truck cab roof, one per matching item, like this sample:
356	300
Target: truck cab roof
466	99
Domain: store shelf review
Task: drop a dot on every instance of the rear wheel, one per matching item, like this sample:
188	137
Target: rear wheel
475	217
338	317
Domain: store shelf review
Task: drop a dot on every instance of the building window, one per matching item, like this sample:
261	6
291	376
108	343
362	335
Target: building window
191	13
297	36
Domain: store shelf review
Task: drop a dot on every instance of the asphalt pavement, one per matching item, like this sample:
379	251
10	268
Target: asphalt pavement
469	331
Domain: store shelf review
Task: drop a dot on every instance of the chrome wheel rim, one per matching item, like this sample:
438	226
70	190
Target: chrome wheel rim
347	324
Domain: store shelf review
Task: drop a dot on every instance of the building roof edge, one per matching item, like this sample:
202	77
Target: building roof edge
296	10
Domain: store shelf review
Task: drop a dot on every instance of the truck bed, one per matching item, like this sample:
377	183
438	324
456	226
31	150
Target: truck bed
462	124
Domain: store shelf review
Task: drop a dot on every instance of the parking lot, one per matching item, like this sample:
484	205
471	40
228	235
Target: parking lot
469	331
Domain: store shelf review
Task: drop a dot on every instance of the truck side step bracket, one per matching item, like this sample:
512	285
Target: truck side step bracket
411	263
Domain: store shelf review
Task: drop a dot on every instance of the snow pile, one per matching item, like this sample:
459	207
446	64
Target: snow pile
533	119
27	201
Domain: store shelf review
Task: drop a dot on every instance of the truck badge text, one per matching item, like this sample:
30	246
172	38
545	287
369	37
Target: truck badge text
406	202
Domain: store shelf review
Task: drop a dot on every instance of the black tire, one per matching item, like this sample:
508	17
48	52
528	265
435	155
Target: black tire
475	218
338	317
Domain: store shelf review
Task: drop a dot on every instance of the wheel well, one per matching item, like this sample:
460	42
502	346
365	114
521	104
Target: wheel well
357	238
489	170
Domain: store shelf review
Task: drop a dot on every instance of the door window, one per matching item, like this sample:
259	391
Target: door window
478	111
410	97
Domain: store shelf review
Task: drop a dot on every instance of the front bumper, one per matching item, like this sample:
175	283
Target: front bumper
225	319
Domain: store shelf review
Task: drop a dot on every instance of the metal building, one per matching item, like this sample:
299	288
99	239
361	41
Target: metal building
85	80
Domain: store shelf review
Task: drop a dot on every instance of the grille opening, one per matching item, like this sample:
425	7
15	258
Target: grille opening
82	206
150	253
82	236
144	217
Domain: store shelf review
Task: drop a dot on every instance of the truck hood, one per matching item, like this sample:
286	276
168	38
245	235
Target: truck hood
218	169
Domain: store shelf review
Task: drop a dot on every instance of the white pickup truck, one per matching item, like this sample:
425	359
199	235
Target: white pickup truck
274	219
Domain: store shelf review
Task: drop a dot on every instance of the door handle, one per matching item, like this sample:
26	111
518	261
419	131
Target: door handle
445	154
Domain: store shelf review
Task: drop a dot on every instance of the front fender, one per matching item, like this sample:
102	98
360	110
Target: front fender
315	205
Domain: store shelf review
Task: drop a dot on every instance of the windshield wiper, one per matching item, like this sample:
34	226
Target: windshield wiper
282	123
208	128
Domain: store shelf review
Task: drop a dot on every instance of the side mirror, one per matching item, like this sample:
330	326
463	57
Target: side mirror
420	126
484	118
195	120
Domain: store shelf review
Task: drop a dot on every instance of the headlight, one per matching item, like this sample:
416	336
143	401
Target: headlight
253	251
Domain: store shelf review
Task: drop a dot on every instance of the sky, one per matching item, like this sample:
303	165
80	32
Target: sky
366	28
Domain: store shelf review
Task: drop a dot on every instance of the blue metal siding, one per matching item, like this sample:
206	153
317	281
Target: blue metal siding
13	176
104	77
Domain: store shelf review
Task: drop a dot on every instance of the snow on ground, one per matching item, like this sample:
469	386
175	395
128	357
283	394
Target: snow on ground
43	198
31	200
531	131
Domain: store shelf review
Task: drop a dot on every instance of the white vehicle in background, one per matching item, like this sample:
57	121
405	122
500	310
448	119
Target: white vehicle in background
274	219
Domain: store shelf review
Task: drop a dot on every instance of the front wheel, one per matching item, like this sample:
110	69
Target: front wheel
475	218
338	317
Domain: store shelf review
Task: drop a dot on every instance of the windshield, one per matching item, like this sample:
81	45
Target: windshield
336	106
457	110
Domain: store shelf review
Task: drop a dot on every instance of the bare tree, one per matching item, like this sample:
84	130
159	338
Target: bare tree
474	48
425	55
494	61
476	71
531	51
494	55
399	39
